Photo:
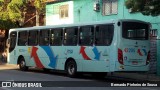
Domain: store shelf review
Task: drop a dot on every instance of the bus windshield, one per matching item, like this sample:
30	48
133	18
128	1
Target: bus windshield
135	30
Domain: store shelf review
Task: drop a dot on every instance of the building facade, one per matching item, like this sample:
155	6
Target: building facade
75	11
79	11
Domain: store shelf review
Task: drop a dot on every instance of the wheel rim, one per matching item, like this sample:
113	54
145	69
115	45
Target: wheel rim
22	64
71	69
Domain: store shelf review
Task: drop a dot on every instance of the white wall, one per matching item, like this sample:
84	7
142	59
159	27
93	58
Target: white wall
54	19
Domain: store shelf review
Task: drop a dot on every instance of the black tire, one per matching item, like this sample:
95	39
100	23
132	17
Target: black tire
22	65
99	75
46	70
71	68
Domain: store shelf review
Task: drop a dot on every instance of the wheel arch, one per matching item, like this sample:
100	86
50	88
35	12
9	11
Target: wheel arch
68	60
19	58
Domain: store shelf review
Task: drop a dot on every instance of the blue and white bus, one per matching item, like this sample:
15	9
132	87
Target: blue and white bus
99	47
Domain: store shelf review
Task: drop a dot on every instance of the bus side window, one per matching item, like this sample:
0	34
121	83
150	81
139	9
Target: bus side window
104	35
33	38
22	38
86	35
70	36
44	37
13	37
56	37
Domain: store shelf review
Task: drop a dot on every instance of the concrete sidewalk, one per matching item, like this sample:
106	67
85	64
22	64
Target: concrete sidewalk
5	66
8	67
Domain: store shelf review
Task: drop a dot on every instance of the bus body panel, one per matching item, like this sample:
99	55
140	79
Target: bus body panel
91	58
56	60
131	68
133	47
135	53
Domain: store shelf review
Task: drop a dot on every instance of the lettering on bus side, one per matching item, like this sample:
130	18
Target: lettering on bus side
22	50
68	51
129	50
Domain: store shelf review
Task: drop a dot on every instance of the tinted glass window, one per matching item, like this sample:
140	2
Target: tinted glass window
44	37
70	36
135	30
86	35
104	34
56	37
33	38
13	37
22	38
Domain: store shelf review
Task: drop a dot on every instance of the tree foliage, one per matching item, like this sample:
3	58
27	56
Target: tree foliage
146	7
3	10
15	10
10	13
7	24
40	5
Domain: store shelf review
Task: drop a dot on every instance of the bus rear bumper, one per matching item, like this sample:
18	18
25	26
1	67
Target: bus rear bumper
132	68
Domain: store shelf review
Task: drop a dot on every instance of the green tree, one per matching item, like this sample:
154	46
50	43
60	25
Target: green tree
11	13
3	10
146	7
16	9
7	24
40	9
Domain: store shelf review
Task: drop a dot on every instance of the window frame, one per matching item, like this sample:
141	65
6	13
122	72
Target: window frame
108	37
14	40
110	5
64	11
30	42
153	33
135	26
59	37
74	37
25	38
42	38
91	42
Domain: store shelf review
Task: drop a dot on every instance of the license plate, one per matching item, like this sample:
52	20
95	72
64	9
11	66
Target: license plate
134	62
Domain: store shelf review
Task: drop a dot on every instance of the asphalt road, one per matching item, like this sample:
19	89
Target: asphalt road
60	81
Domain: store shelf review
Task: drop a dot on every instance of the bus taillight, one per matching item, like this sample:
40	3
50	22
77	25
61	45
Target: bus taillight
120	56
148	58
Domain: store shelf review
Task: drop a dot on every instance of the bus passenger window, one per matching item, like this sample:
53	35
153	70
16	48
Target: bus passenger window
33	38
56	37
22	38
86	35
70	36
44	37
13	37
104	35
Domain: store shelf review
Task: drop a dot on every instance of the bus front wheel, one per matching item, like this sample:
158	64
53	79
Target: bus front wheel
22	65
71	68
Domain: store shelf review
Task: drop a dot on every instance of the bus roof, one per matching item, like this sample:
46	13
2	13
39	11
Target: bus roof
73	25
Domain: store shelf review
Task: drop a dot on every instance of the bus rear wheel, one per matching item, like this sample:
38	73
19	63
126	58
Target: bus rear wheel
22	65
71	68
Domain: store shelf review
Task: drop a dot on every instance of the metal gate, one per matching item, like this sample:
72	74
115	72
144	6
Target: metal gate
153	55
